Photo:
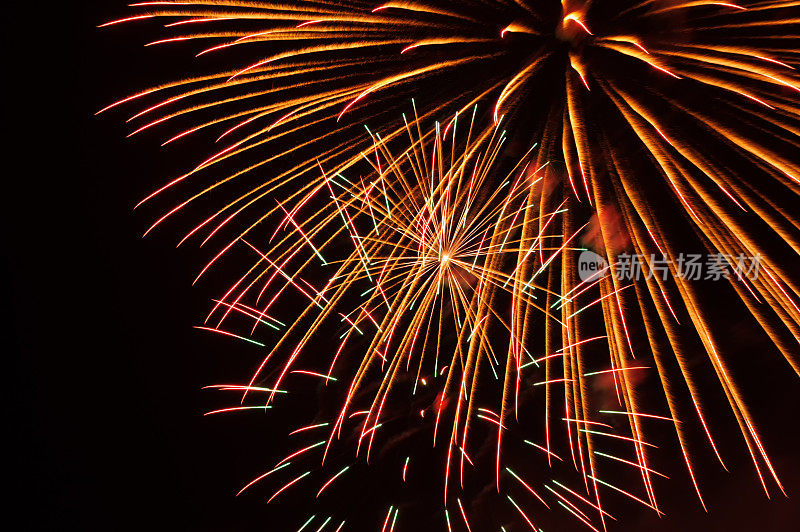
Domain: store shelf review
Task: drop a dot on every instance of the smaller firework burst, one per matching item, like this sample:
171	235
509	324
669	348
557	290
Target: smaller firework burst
416	269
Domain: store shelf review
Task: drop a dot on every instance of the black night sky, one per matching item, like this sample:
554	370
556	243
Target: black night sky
104	396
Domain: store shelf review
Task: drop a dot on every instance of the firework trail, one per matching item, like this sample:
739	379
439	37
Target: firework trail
673	124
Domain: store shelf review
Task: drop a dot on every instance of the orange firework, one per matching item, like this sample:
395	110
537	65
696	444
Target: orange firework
668	142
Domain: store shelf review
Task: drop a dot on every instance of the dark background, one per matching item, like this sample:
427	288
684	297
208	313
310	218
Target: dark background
104	374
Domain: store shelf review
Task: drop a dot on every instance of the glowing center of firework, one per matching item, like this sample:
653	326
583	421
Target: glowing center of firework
445	258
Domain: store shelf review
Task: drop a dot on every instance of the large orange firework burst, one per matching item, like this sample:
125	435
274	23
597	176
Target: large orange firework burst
666	128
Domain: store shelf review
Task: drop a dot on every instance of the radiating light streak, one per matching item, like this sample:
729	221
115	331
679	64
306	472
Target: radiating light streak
306	523
310	427
634	464
226	333
614	370
464	515
522	513
291	483
528	487
330	481
625	493
546	451
325	523
258	479
237	409
639	414
301	451
314	374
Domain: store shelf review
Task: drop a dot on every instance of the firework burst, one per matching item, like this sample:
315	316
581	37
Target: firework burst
666	127
424	300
